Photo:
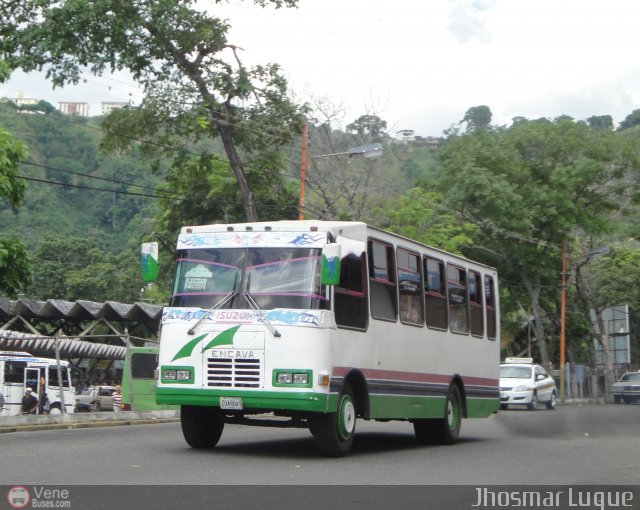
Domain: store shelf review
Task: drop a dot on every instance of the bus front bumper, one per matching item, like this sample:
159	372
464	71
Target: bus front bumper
250	400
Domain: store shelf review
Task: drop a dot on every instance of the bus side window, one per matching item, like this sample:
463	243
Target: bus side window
410	287
350	296
476	311
382	281
490	302
435	296
14	371
457	293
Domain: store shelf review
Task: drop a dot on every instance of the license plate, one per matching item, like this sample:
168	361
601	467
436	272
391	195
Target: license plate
231	403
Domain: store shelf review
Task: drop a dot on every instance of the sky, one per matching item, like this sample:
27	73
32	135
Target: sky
421	64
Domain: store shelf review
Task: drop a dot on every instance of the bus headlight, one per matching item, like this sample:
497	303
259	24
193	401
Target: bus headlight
285	378
183	375
177	374
300	379
293	377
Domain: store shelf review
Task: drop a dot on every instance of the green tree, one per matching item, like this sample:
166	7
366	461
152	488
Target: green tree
195	84
631	120
369	127
527	187
421	215
74	268
15	266
604	122
603	281
207	193
478	118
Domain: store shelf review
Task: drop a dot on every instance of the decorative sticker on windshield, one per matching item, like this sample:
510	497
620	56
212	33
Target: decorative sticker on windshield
258	239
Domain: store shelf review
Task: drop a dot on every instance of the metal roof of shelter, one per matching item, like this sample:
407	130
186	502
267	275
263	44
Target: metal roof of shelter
84	315
68	347
80	310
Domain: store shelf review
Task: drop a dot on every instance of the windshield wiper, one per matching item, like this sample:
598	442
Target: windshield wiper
261	315
219	304
256	308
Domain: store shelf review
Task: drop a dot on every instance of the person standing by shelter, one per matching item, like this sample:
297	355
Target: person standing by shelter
29	402
117	398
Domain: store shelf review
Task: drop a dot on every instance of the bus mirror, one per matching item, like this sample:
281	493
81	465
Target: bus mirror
149	261
330	265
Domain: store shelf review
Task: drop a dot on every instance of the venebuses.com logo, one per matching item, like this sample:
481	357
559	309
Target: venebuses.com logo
20	496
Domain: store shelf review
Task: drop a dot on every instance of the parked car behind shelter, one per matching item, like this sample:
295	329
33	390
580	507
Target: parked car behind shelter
95	398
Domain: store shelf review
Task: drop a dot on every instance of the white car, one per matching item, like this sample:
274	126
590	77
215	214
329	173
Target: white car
524	383
95	398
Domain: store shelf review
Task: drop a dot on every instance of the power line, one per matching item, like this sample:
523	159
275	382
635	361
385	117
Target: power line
176	198
97	189
39	165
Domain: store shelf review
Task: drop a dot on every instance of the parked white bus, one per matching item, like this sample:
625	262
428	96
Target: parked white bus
318	323
21	370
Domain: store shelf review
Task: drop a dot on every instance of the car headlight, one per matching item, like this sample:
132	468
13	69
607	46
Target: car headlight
522	388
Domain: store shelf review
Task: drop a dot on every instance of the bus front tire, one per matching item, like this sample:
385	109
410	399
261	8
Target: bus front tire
444	430
201	426
334	432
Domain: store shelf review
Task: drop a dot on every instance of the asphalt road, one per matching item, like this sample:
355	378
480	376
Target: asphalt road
573	445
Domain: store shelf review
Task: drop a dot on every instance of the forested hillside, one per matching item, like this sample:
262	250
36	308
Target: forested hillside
507	196
66	168
91	207
87	210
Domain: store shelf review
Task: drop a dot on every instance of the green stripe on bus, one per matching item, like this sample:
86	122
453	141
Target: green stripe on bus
397	407
482	407
409	407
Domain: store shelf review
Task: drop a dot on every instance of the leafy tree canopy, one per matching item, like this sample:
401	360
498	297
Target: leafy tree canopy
15	266
528	186
631	120
478	118
194	81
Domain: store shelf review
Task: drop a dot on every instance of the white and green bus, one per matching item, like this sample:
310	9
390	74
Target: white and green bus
319	323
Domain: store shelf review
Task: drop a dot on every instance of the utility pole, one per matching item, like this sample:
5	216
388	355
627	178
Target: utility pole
563	302
303	169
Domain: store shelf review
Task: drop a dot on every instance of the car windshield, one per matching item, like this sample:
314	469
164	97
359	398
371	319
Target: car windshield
631	376
274	277
514	372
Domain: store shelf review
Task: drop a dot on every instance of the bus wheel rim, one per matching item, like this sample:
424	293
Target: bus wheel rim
452	413
346	418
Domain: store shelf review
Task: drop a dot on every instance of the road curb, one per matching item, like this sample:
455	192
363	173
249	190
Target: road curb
77	421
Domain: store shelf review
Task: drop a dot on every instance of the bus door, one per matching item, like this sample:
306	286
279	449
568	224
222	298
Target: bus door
32	378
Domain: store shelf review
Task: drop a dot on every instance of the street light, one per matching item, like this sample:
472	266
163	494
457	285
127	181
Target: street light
372	150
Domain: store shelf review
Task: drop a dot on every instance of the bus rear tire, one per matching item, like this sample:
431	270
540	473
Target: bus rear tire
334	432
444	430
201	426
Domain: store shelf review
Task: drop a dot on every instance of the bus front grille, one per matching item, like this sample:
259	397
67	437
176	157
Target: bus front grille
233	373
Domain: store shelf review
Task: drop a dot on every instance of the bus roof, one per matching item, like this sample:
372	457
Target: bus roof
204	236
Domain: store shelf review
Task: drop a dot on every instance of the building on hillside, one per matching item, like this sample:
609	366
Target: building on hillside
405	135
74	108
107	106
19	100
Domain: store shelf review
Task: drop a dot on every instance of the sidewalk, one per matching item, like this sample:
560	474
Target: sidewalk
83	420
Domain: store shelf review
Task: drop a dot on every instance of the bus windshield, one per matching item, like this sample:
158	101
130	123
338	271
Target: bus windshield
274	277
